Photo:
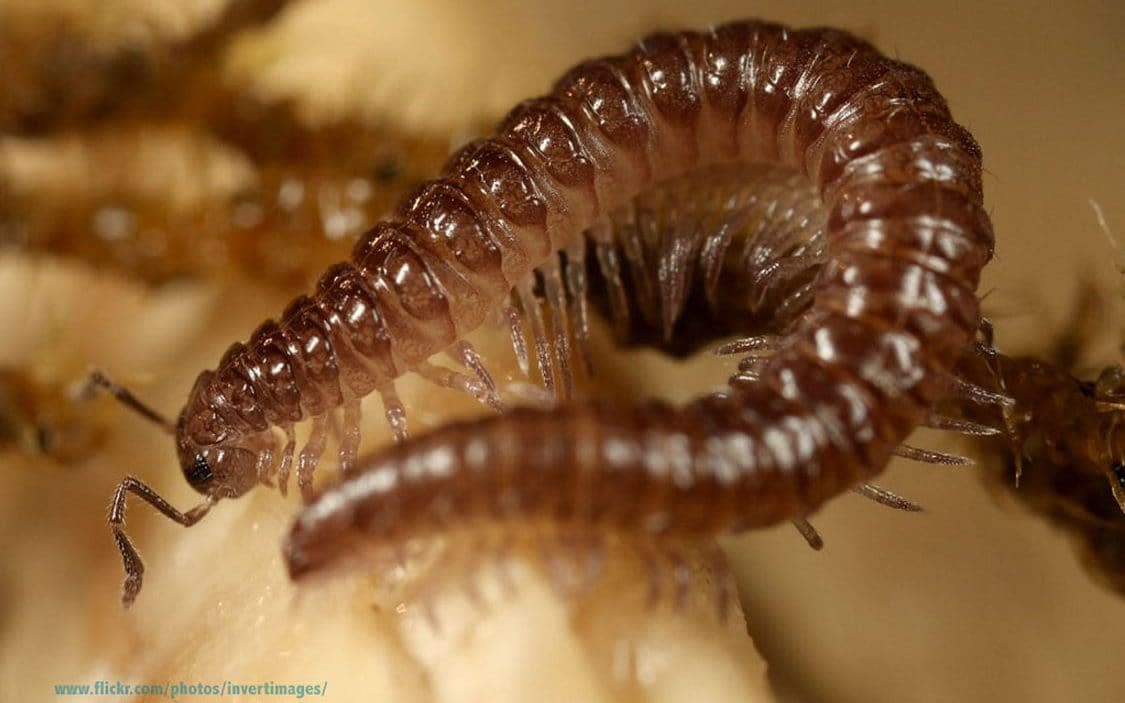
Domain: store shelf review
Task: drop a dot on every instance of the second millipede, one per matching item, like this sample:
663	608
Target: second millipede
867	342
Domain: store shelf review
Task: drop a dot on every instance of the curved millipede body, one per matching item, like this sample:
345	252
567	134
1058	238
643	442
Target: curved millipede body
891	306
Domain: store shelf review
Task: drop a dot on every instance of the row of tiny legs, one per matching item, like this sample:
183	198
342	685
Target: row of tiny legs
485	564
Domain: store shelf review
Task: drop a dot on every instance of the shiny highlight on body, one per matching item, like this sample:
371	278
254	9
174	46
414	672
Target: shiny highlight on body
857	367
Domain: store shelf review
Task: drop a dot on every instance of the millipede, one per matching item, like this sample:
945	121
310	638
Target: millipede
299	209
1059	447
57	75
71	104
797	188
38	418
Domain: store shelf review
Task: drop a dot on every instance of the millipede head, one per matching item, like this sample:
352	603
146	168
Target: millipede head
213	471
217	471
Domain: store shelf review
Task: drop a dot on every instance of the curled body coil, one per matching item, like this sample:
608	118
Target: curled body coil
893	304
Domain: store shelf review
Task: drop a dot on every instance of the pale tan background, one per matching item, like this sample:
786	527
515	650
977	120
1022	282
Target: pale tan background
968	602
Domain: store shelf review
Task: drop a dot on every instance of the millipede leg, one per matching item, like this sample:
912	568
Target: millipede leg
632	224
530	305
575	272
335	429
572	560
762	343
974	393
556	299
970	391
471	359
796	301
884	497
965	427
470	573
557	564
750	369
448	378
678	248
310	456
928	456
987	332
286	460
759	348
725	590
785	269
265	465
349	437
392	408
519	340
681	578
809	533
593	562
531	394
609	263
713	252
134	566
429	594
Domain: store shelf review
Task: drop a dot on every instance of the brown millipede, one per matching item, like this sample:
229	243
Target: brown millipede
1061	440
892	305
102	116
40	419
59	74
301	208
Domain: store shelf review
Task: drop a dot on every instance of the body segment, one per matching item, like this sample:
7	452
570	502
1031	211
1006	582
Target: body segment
892	305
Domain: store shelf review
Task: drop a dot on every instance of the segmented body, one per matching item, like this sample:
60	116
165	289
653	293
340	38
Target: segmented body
892	306
1060	450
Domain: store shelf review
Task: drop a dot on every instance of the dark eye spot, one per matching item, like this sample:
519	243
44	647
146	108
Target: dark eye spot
1118	470
200	471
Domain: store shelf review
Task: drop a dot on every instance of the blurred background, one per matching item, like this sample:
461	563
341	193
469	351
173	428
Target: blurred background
159	160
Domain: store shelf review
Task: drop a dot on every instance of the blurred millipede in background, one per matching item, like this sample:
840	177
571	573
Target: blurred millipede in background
40	418
1060	449
306	190
299	197
61	75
